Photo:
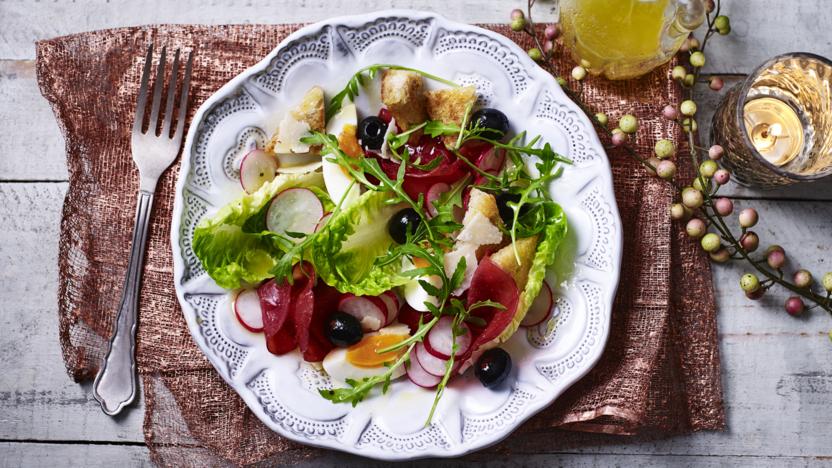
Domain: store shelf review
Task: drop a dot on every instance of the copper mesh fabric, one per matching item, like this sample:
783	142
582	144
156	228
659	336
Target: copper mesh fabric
659	372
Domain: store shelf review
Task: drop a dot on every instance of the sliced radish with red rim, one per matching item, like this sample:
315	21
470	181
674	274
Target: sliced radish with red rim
419	376
257	168
541	307
371	312
322	221
440	340
248	310
434	192
391	303
432	364
295	210
492	160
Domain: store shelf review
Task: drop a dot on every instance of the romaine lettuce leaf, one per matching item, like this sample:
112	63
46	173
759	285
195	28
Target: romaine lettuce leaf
553	234
344	253
234	256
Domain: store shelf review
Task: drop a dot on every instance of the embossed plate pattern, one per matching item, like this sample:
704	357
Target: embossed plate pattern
281	390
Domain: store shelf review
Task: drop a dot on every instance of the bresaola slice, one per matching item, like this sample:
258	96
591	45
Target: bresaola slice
492	283
278	326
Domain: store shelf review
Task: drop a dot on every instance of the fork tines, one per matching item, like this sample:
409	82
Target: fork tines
159	82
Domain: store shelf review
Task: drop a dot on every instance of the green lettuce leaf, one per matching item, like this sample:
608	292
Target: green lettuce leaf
345	253
229	243
553	235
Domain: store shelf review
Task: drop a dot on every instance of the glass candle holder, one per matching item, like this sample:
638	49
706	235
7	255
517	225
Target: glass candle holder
776	126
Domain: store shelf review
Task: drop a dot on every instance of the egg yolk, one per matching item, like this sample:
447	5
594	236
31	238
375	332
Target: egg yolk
348	141
363	353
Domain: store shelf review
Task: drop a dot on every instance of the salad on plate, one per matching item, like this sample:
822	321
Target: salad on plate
406	240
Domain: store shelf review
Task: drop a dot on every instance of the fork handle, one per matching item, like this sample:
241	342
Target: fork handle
115	384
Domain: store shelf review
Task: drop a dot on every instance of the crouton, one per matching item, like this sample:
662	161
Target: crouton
403	93
482	202
505	259
449	105
308	115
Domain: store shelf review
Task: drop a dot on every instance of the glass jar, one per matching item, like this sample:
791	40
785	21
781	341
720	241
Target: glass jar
627	38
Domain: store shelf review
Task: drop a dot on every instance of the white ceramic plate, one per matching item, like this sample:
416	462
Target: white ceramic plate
281	390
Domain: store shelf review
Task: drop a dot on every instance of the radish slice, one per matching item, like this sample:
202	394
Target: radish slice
434	192
257	168
430	363
323	221
541	308
441	339
391	302
294	210
248	311
418	375
369	311
492	160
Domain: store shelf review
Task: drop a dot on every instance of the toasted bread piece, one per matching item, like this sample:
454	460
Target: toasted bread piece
505	259
449	105
403	93
484	203
309	112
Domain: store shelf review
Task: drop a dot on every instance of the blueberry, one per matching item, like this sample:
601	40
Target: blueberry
403	222
371	132
493	367
343	329
495	121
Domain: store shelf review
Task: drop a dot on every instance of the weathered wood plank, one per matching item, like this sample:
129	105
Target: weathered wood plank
31	145
47	455
37	398
776	369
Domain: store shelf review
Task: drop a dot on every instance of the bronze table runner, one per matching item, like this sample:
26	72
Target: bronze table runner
659	372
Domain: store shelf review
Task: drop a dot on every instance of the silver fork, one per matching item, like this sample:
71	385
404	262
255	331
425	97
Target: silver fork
115	385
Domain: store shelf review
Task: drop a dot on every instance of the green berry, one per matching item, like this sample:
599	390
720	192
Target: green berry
689	80
665	149
749	282
721	255
602	118
666	170
628	123
579	73
827	281
710	242
678	73
696	228
562	82
708	168
722	25
697	59
678	211
517	24
535	54
689	125
692	198
698	185
688	108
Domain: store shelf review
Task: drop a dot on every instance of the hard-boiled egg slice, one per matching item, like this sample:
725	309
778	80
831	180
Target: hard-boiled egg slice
362	359
414	293
343	125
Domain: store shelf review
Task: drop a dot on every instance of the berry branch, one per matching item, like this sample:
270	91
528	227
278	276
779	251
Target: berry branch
699	204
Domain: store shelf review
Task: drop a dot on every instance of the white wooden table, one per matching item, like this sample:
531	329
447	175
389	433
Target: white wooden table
777	371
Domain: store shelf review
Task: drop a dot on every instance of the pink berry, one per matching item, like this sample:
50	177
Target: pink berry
548	46
666	169
748	217
750	241
552	31
619	139
802	278
776	258
517	13
696	228
669	112
795	306
715	152
716	83
722	176
724	206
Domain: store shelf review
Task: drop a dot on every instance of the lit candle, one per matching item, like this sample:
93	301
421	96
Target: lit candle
774	129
